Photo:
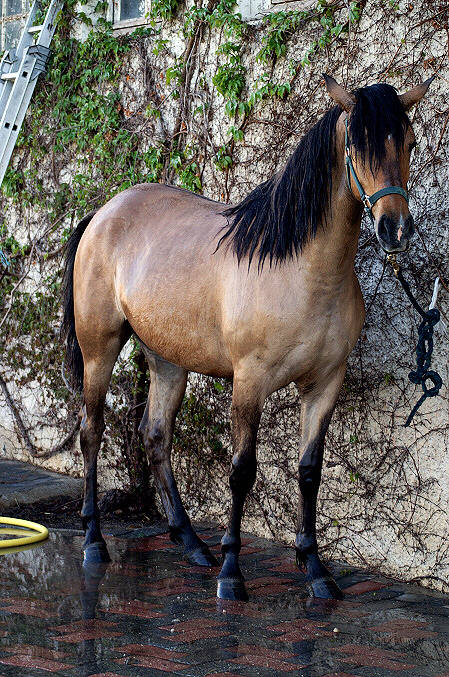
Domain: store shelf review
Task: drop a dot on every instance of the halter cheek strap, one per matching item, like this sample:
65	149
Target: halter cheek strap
368	200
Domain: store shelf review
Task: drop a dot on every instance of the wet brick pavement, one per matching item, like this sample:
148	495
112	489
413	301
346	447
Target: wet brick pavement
150	614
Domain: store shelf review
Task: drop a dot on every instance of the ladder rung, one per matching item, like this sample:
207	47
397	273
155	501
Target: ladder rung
35	29
9	76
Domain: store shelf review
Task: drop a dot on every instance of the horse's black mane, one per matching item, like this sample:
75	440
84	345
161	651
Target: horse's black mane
278	217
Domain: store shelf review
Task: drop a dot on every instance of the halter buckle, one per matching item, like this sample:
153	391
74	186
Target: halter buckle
367	203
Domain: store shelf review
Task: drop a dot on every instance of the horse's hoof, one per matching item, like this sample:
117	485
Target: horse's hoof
232	589
201	557
96	553
324	588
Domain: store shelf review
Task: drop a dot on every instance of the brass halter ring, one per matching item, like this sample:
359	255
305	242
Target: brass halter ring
391	258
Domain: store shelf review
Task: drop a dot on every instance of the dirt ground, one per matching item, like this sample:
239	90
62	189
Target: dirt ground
64	514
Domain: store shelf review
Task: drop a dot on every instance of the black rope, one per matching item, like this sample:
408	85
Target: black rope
424	348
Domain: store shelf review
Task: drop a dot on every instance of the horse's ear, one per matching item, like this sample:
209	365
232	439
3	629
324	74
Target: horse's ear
408	99
344	99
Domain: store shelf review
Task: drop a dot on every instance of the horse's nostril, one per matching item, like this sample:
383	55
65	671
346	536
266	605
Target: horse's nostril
383	228
394	231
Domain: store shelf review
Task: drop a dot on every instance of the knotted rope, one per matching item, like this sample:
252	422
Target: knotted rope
424	347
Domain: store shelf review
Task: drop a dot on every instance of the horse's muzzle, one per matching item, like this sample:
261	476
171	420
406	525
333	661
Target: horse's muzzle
394	236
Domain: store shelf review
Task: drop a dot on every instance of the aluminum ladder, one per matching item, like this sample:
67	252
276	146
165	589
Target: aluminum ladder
19	70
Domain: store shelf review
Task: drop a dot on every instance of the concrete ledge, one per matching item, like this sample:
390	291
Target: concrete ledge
23	484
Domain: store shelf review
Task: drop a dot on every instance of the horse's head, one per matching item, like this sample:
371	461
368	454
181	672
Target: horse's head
378	143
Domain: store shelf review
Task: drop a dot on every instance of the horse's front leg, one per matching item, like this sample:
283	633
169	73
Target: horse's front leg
316	411
247	405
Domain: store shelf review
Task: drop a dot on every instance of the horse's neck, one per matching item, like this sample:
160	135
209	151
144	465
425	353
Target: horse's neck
334	247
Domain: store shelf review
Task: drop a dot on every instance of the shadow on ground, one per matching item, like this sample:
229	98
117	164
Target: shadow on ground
148	613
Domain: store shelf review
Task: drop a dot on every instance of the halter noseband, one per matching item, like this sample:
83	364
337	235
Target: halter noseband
368	200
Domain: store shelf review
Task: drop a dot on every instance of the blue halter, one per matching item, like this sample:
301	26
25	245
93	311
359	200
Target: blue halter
368	200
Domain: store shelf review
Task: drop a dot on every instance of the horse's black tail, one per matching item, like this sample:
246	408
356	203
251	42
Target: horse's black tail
73	356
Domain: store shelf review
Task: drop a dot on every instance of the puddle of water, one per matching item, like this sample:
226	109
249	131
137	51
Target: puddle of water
148	613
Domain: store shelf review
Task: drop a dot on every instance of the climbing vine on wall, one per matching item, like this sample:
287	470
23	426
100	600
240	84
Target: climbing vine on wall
204	100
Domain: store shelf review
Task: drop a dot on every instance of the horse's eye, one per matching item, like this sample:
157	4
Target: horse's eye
412	146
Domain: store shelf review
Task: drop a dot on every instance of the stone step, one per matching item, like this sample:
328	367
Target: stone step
24	484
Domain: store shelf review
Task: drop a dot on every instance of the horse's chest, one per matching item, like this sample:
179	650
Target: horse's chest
326	342
295	331
322	337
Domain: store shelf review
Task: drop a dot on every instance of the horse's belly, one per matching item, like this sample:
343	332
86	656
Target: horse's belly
186	334
185	352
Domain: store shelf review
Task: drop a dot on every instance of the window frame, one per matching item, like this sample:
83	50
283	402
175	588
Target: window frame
125	24
303	4
4	20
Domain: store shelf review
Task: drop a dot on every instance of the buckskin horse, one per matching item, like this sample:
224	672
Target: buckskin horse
263	293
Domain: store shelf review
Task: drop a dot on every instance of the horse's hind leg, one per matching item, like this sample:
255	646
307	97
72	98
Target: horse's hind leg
167	387
316	411
99	362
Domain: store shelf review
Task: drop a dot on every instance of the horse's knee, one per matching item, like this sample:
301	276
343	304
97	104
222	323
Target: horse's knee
243	473
153	434
309	472
154	440
309	477
310	468
305	544
91	430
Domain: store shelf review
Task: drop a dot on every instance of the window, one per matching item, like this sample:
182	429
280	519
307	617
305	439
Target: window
130	12
125	14
13	14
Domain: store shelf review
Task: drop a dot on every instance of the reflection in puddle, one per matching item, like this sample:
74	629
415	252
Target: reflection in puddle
19	548
148	611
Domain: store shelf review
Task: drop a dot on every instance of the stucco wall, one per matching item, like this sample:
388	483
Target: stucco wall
384	496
